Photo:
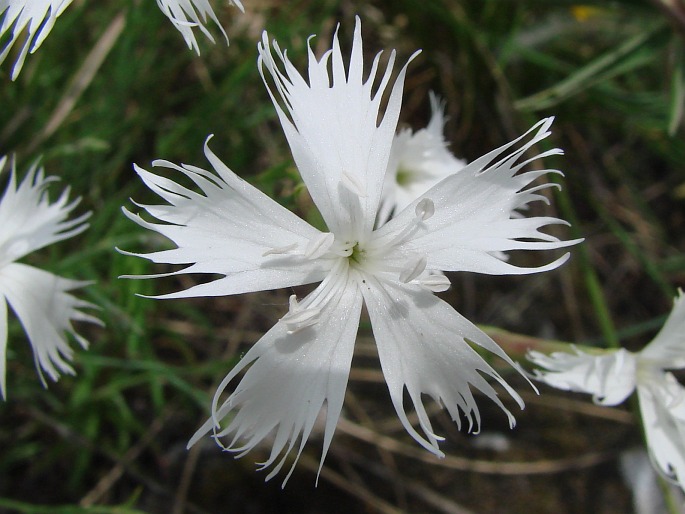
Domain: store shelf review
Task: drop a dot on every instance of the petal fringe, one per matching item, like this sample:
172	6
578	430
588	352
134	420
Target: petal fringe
36	16
46	310
423	345
230	228
290	379
476	219
334	126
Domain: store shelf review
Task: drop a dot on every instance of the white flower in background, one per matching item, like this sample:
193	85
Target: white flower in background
41	300
36	16
341	147
612	376
189	14
418	161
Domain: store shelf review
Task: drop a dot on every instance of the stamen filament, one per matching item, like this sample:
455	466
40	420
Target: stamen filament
280	250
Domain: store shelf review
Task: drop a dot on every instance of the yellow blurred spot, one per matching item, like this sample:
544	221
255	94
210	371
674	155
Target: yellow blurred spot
584	12
679	192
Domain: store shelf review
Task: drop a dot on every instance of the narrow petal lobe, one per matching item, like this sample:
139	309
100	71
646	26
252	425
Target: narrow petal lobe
475	222
332	126
29	221
46	309
423	345
36	16
230	228
609	378
662	406
292	375
187	15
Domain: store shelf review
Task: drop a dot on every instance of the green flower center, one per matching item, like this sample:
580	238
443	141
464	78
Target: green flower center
358	255
405	177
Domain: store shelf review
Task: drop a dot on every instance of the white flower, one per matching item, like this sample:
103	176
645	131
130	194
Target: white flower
418	161
41	300
341	145
36	16
39	16
188	14
613	375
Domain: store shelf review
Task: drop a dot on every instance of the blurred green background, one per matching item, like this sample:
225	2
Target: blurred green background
114	84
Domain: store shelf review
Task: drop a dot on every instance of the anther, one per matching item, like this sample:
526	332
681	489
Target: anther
298	318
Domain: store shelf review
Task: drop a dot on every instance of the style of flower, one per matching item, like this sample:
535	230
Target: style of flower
36	16
418	161
611	376
341	145
189	14
41	300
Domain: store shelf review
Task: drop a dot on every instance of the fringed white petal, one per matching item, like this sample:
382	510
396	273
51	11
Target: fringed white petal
229	228
662	405
46	310
29	221
290	378
187	15
610	378
474	223
668	346
418	161
332	126
423	345
36	16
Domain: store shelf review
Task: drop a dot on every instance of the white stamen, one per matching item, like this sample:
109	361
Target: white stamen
425	209
436	282
413	270
319	245
293	304
298	318
353	184
280	250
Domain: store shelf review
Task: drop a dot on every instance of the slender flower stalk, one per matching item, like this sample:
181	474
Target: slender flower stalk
611	376
41	300
189	14
341	144
36	16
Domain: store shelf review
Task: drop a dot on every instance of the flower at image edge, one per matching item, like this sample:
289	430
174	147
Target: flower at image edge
611	376
36	16
41	300
189	14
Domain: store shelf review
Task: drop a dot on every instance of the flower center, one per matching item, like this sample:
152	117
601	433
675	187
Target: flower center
358	255
381	256
408	176
405	177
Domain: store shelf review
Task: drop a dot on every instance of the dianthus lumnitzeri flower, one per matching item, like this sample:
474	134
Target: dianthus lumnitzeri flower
41	300
341	144
418	161
612	376
36	16
189	14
